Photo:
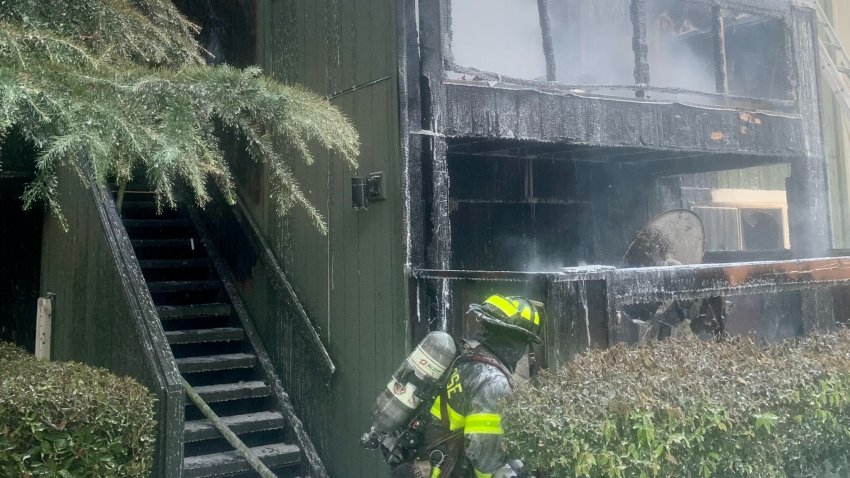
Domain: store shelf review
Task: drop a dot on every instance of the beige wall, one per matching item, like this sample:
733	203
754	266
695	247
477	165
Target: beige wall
837	135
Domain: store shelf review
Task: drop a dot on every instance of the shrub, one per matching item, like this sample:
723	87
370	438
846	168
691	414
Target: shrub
690	409
69	419
11	352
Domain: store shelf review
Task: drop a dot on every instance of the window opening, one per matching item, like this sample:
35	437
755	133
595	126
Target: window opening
757	58
499	36
592	41
680	39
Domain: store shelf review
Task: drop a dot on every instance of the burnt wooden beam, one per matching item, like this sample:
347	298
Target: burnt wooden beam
640	45
720	63
410	121
434	48
702	281
808	195
493	113
548	48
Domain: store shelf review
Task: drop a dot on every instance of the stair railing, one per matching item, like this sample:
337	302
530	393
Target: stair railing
308	450
281	281
227	433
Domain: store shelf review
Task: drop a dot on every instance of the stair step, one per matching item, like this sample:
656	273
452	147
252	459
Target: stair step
160	243
138	204
219	334
184	286
208	363
233	391
169	312
198	430
174	263
220	464
155	223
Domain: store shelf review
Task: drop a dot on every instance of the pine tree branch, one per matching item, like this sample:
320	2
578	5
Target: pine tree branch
121	83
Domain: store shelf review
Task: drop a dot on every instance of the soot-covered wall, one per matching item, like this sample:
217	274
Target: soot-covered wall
517	213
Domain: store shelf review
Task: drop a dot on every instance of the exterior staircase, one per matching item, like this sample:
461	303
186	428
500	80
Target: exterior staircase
215	348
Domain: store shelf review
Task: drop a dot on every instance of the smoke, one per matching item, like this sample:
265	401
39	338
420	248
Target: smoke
681	45
592	41
500	36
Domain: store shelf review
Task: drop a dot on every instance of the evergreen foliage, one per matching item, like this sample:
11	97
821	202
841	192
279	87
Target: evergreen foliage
690	409
123	85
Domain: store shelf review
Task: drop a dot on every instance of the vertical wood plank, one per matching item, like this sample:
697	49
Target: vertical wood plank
44	328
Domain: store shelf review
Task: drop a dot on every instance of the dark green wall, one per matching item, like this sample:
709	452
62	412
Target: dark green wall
352	280
102	314
20	251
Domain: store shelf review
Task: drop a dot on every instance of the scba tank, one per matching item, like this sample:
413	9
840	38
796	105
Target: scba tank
417	376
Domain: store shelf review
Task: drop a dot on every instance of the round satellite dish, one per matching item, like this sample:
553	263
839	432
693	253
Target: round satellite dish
673	238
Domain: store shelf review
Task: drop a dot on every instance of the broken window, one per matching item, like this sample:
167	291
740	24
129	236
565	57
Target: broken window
592	41
498	36
756	56
680	41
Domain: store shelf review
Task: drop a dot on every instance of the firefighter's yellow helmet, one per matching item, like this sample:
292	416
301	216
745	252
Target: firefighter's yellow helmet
517	314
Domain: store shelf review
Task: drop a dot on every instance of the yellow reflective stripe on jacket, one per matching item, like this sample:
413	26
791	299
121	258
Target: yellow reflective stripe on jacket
483	424
456	420
478	474
436	472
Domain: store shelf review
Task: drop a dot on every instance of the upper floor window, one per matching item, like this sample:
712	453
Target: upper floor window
664	47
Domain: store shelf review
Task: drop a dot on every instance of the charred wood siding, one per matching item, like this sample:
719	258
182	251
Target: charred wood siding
351	282
474	111
103	314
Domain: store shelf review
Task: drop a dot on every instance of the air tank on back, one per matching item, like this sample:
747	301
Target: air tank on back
418	376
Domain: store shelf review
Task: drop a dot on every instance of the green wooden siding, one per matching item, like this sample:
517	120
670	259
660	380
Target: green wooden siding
352	280
770	178
94	321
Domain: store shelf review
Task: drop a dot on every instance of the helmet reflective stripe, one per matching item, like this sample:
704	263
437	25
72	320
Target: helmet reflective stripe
513	307
527	312
506	307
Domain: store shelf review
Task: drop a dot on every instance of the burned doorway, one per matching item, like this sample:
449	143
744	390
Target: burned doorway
20	246
516	206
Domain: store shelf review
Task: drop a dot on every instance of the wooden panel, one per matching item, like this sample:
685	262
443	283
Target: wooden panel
350	281
103	315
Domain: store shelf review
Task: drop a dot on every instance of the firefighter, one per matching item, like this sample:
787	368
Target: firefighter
463	439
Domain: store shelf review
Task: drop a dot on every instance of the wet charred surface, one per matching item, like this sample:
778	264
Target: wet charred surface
483	112
639	285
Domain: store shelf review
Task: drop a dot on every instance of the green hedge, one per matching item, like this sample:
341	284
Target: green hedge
71	420
689	409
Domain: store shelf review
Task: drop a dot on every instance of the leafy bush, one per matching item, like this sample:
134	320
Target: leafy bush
690	409
69	419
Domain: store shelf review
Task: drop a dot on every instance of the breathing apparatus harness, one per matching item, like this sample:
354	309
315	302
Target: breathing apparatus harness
410	442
